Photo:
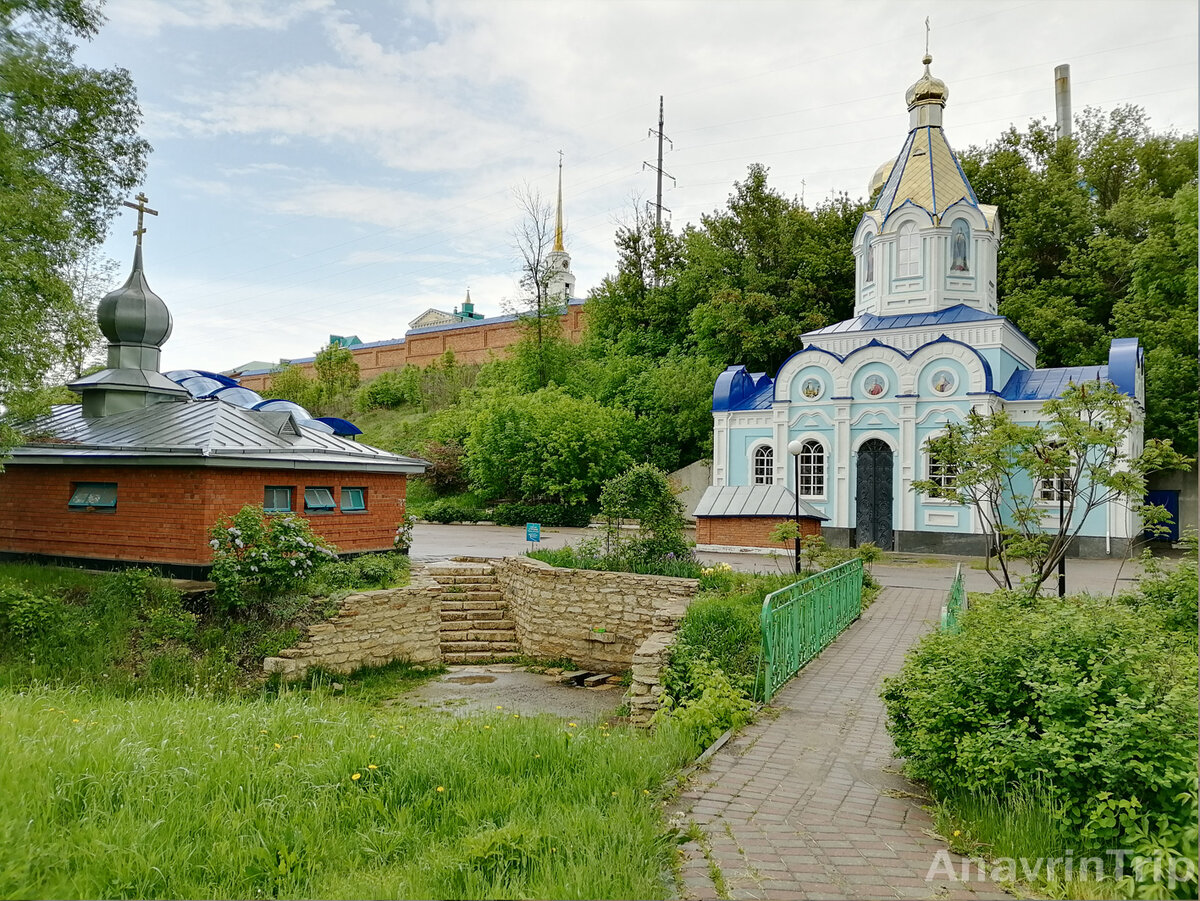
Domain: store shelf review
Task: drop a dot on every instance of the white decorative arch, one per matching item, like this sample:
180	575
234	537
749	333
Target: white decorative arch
942	413
878	415
887	438
928	354
882	354
811	419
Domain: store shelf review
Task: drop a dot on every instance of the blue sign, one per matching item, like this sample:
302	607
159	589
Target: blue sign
533	531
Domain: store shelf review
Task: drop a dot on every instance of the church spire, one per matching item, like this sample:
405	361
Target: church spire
558	216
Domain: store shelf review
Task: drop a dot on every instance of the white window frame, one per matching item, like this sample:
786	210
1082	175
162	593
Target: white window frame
1049	490
908	251
762	473
812	479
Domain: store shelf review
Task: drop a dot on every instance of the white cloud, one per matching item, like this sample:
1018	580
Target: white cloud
147	18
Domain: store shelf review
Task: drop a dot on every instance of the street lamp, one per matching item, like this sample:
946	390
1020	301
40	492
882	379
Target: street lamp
794	449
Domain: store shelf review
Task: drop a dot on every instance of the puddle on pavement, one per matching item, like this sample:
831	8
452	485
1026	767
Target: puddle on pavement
470	680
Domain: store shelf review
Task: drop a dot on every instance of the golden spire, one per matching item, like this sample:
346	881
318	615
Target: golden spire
558	218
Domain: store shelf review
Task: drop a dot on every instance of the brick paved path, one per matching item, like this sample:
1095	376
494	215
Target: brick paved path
810	804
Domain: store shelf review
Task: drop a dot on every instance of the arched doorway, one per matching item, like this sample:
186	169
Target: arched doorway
873	504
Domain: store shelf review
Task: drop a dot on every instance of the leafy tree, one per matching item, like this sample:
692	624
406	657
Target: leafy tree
546	446
638	310
1078	449
293	383
337	376
1100	242
69	150
643	493
766	270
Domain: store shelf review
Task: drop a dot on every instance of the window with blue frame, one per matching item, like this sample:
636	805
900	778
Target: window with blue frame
93	496
354	500
277	498
318	500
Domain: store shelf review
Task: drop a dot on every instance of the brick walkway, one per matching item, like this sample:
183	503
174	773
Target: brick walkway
810	803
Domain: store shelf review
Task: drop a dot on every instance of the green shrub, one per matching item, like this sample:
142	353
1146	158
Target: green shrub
391	389
712	706
257	556
1072	692
450	510
550	515
643	493
25	615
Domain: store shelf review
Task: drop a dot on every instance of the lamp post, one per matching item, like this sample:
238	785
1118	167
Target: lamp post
1062	560
794	449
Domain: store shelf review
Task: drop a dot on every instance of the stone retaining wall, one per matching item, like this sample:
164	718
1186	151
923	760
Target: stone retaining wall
598	619
371	628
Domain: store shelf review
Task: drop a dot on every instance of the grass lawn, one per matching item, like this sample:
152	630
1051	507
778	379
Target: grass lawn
304	795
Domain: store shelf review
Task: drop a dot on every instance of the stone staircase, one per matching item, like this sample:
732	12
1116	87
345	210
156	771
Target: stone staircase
475	624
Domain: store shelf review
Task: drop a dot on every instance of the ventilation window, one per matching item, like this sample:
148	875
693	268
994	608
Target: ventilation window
277	498
318	500
93	496
354	500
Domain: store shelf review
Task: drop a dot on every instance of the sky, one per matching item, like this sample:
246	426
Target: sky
332	167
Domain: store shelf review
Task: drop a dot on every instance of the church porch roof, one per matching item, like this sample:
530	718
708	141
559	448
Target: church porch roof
753	500
1046	384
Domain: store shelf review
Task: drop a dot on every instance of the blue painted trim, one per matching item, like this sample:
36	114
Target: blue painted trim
1125	358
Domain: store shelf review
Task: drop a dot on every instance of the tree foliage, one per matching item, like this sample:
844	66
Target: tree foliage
1099	242
1079	448
546	446
69	150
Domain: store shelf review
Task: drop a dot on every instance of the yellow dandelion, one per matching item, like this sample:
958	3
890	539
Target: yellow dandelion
645	791
441	788
371	766
370	736
278	746
614	794
356	776
74	721
572	725
957	833
262	731
499	707
487	727
295	736
516	716
537	755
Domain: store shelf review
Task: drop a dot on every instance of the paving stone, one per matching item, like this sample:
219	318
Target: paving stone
800	794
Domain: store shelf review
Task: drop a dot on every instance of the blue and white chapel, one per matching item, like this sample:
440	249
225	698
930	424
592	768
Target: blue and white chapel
925	346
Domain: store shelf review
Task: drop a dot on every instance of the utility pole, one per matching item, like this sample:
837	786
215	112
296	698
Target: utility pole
658	204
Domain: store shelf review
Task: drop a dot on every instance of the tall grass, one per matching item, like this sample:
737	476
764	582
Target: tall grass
305	797
1023	825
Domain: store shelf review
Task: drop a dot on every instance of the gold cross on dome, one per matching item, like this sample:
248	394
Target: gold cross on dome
142	209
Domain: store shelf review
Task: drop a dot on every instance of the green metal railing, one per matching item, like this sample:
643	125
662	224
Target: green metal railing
956	603
799	621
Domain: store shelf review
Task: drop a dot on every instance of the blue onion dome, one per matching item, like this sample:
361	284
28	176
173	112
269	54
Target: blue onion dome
133	314
927	89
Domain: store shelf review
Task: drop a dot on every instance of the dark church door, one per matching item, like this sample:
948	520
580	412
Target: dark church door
874	501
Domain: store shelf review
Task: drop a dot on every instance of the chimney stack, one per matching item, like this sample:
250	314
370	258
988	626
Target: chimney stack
1062	99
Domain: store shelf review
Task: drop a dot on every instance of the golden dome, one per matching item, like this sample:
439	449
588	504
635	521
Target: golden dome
879	179
927	88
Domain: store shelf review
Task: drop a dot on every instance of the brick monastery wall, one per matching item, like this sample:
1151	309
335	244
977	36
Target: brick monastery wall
749	531
473	344
163	513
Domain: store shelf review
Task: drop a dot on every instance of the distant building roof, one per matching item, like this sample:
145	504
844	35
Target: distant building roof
1044	384
753	500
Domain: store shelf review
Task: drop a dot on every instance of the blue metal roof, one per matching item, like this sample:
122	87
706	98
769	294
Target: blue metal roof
869	322
1044	384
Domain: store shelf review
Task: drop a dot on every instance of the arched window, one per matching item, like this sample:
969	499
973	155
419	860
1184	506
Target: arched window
764	465
942	472
812	469
908	251
868	258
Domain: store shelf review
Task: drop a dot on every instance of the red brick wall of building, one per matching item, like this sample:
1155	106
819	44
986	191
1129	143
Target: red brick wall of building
476	344
163	513
749	531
